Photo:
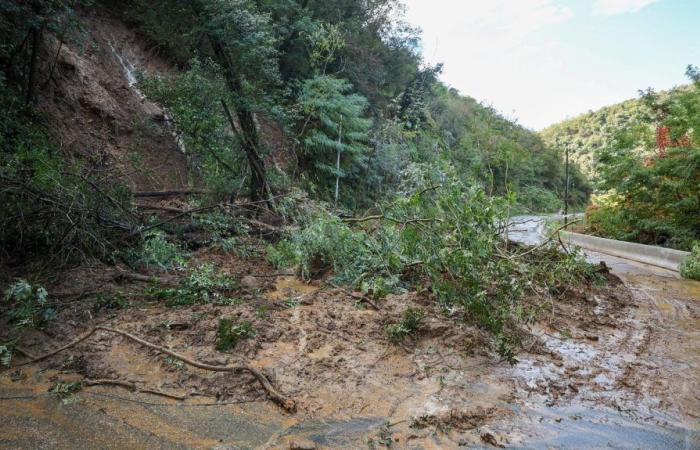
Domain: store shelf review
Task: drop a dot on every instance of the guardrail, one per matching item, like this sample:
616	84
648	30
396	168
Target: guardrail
648	254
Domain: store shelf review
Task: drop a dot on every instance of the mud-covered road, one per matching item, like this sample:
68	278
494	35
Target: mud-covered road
617	368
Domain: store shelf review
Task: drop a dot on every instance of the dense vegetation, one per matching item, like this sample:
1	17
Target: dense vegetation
363	123
588	134
653	175
647	166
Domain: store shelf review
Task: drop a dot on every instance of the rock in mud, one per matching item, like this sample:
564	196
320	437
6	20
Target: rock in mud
302	444
250	282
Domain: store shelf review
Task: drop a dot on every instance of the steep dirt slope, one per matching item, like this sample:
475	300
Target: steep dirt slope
98	114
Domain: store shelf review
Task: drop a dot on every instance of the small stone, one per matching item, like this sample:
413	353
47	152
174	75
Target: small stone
250	282
302	444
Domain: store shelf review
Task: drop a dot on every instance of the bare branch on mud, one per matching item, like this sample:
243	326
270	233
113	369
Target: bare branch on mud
172	193
390	219
132	387
357	296
287	403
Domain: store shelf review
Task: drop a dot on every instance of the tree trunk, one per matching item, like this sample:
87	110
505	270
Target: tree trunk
259	188
31	81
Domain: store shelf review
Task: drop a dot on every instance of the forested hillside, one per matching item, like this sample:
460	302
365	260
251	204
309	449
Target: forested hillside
643	156
586	135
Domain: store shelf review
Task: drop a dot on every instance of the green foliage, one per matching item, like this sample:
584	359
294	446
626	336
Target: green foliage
653	196
587	135
690	268
193	99
325	40
64	390
6	353
157	251
326	244
230	332
110	302
411	322
203	285
333	140
447	234
27	305
416	118
503	156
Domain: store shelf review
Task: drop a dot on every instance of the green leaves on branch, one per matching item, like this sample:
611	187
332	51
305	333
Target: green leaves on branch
335	130
27	305
231	332
437	233
690	268
411	322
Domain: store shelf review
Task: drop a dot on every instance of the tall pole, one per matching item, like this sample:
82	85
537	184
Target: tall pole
566	190
337	163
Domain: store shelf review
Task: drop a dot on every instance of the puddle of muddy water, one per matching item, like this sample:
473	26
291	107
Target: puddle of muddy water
586	427
289	288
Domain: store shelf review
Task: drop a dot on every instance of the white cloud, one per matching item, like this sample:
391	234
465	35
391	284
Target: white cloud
493	51
612	7
532	59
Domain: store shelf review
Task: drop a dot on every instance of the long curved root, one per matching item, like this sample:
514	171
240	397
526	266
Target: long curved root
287	403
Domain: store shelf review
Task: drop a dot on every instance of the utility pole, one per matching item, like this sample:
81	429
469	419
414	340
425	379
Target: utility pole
566	190
337	164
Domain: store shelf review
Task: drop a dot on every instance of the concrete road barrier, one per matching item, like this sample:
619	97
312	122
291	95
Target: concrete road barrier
648	254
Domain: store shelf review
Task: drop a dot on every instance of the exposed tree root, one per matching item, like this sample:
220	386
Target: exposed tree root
274	395
132	387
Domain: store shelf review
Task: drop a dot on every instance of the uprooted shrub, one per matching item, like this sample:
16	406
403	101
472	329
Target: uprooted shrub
26	305
204	284
156	251
410	323
445	234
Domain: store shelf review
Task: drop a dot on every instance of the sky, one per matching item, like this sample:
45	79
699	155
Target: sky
542	61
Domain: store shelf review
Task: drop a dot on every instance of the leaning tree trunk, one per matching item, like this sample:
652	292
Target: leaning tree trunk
259	188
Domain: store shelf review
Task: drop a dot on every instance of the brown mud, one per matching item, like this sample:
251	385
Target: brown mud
603	355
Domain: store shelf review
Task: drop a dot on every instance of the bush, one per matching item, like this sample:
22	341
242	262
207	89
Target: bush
412	321
690	268
202	285
231	332
26	305
157	251
356	258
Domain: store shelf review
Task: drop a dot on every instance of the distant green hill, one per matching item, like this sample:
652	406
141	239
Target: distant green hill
588	133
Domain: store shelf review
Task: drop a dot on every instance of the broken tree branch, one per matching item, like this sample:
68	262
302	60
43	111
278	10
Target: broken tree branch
171	193
547	241
390	219
132	387
287	403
